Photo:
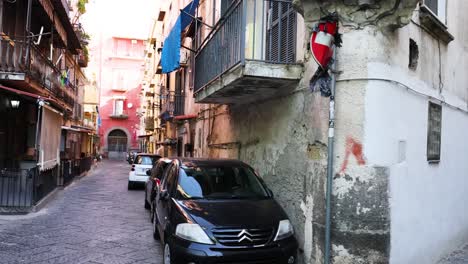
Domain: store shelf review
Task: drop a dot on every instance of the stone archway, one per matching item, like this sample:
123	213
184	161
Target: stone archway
117	144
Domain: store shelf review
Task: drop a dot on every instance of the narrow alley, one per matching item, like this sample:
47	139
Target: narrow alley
93	220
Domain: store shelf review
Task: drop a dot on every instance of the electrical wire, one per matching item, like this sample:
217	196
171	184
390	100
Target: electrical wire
442	101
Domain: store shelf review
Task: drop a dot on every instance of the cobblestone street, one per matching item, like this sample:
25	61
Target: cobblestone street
93	220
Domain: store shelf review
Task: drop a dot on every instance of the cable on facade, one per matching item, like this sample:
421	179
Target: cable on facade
442	101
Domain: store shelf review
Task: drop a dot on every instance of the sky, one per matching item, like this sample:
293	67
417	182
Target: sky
125	18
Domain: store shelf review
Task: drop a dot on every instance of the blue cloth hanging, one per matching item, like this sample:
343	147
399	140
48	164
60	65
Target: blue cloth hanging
170	57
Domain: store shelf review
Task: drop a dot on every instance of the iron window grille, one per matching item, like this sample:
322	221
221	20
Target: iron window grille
434	132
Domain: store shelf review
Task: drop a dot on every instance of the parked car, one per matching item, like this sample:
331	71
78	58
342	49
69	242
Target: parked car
131	157
220	211
152	184
142	163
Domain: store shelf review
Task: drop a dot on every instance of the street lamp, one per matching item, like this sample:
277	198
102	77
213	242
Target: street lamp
14	103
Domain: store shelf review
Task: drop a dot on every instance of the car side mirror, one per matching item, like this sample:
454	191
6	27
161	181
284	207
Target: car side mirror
164	195
148	172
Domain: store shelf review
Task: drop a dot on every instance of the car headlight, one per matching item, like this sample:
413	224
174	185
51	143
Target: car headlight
285	229
193	232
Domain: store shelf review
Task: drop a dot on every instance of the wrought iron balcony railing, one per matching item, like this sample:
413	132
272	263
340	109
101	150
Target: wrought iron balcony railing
257	30
20	58
149	123
172	104
119	115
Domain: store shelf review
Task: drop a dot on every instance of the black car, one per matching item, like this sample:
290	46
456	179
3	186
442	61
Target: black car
152	184
220	211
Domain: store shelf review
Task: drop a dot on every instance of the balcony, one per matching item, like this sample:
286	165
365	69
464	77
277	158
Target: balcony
172	104
149	123
25	65
121	115
250	55
82	59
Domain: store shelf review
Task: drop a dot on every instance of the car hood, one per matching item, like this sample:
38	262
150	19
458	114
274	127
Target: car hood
234	213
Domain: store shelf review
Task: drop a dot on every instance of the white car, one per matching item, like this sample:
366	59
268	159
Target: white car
142	163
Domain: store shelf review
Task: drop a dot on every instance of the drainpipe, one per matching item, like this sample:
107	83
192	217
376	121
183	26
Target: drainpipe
331	137
28	30
40	103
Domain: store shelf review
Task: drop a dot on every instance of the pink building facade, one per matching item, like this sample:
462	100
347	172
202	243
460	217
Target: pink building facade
118	32
121	74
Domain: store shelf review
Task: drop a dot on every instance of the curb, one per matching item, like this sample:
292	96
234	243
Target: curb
44	201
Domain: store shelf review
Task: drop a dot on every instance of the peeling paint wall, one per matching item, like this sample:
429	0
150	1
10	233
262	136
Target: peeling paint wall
427	200
285	138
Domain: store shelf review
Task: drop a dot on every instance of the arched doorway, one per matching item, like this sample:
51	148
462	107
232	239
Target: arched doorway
117	144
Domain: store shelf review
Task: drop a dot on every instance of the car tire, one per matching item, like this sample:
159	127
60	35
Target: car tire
167	254
147	205
155	227
130	185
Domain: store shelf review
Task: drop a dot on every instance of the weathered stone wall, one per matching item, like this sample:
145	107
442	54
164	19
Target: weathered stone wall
285	138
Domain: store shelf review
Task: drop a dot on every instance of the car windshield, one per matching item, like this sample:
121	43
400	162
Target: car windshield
146	160
219	182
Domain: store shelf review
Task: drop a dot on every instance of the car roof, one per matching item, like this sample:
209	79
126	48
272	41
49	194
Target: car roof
211	162
165	160
148	154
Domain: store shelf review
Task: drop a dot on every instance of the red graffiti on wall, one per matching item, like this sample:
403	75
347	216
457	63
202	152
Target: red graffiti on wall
355	148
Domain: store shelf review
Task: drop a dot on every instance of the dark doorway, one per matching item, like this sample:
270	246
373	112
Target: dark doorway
117	144
180	146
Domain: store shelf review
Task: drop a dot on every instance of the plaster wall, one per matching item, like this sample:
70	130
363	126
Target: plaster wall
428	216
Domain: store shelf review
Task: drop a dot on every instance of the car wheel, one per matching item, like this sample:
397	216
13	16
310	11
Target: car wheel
167	254
130	185
147	205
155	228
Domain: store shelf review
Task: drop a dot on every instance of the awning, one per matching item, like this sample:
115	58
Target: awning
70	129
170	58
83	129
35	96
49	142
78	129
185	117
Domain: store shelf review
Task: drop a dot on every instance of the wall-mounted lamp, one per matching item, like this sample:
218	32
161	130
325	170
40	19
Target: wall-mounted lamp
14	103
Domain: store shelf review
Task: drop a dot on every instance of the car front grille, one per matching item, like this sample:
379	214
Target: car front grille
243	237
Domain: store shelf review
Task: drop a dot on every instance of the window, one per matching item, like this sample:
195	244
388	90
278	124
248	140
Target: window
159	170
146	160
281	32
434	132
118	106
438	7
120	47
119	80
413	55
170	179
129	48
219	182
433	18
